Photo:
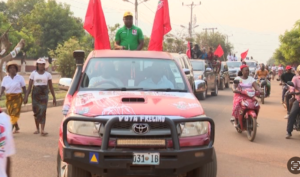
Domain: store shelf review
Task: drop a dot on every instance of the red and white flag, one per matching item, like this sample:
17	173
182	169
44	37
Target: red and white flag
95	24
161	26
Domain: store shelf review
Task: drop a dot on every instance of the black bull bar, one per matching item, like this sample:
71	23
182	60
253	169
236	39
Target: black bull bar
110	122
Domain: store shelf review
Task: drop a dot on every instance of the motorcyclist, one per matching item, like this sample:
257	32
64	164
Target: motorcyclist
246	81
287	76
295	108
263	74
273	68
280	71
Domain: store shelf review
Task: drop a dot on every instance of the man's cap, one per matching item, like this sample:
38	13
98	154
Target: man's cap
288	67
126	14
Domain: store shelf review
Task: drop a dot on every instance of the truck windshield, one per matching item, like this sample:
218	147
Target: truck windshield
251	64
133	74
234	64
198	65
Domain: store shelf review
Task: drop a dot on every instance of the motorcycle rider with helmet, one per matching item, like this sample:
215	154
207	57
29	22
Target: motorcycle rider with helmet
263	74
295	108
285	77
246	81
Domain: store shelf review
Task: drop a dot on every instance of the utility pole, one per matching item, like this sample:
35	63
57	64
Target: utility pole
136	4
213	29
192	5
227	37
136	12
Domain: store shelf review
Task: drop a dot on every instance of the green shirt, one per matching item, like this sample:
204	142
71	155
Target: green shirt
129	38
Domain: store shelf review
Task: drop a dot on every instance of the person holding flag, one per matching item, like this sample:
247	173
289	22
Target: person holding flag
129	37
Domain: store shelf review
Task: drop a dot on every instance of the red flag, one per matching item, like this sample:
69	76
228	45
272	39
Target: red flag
219	51
161	26
188	51
95	24
244	55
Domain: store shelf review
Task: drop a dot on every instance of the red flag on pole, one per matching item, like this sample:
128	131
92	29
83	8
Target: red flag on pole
188	51
219	51
161	26
95	24
244	55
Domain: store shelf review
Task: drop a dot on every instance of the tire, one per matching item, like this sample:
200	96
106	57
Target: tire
67	170
227	85
262	97
215	92
202	95
207	170
222	84
251	128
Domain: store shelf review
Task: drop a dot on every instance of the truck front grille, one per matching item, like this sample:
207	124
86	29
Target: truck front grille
128	125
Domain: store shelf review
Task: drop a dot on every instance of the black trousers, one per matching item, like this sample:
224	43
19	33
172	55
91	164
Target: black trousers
287	103
292	117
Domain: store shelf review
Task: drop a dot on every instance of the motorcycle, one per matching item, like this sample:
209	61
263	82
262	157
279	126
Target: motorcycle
247	121
297	122
263	85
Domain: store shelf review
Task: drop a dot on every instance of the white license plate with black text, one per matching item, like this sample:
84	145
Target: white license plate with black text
146	159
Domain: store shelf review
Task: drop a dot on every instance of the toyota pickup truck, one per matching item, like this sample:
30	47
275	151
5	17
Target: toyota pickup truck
133	113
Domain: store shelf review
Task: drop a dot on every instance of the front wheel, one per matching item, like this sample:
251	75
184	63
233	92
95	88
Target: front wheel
67	170
262	97
222	84
215	92
207	170
251	128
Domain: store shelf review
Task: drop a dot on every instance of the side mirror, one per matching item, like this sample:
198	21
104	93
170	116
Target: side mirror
290	83
208	69
186	71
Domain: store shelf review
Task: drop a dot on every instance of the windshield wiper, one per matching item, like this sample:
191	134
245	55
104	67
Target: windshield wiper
166	90
122	89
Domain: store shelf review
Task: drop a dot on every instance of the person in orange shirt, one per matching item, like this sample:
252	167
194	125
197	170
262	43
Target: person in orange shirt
263	74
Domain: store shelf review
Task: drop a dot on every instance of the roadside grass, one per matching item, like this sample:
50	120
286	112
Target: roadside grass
59	94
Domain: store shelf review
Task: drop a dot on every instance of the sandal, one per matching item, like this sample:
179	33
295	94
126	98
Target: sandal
16	131
36	132
44	134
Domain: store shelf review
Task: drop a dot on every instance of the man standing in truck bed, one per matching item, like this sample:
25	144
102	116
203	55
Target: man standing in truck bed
129	37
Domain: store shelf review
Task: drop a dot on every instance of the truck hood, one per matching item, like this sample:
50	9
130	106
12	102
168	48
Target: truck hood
104	103
233	69
197	74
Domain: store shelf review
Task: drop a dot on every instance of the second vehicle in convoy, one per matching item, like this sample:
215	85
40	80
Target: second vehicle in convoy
206	79
233	68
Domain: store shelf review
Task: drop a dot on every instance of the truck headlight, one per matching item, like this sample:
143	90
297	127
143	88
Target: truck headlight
189	129
84	128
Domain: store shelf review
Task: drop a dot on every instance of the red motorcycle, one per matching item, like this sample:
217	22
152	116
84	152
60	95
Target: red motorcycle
250	108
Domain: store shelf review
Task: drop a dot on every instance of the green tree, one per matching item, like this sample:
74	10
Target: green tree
214	40
17	9
63	54
56	24
289	49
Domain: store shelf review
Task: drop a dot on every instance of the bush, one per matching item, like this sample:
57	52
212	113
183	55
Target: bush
65	63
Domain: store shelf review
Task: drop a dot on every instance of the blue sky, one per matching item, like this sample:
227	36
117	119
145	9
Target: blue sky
252	24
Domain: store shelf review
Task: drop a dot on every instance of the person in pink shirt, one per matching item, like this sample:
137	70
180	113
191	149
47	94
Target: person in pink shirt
295	108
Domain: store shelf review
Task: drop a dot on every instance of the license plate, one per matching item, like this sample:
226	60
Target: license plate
146	159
